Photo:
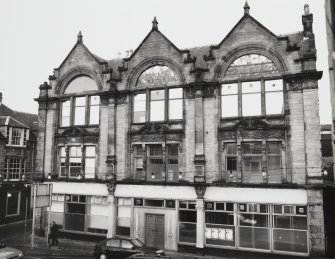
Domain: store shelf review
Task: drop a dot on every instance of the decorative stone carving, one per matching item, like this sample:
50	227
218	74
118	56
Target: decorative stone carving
121	98
228	135
156	137
210	91
200	190
296	84
189	93
111	188
153	128
106	100
210	56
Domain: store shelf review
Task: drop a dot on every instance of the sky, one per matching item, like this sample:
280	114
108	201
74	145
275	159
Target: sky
37	35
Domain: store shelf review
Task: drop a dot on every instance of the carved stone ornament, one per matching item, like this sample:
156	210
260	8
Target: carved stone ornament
153	128
200	190
111	188
156	137
231	135
121	98
189	93
106	100
210	91
74	131
302	83
52	105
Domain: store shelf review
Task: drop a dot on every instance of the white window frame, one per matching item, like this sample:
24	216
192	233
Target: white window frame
24	136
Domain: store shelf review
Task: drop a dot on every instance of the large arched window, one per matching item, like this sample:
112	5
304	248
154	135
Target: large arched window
257	92
161	103
82	109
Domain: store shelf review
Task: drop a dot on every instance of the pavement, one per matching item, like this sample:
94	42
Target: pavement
19	237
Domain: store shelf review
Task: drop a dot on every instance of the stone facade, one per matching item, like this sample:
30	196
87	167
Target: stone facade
164	141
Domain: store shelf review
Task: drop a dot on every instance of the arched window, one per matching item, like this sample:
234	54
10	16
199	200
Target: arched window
161	103
158	76
83	109
251	95
81	84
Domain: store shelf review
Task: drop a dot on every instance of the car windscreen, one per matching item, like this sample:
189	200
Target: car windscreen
138	243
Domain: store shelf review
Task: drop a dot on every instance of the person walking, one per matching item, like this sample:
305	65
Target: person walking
54	234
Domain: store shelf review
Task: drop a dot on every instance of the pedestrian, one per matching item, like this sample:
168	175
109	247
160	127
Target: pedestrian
54	234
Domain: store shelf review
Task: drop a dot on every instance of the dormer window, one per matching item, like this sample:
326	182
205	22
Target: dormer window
17	136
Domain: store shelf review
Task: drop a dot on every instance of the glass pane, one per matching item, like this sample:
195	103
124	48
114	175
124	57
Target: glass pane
158	76
157	95
231	163
80	101
274	85
173	150
229	89
74	222
75	151
290	240
62	151
157	111
176	93
79	117
255	237
187	232
219	218
220	235
252	148
176	109
251	104
187	216
81	84
252	164
89	167
231	148
274	103
251	87
229	106
95	100
273	148
90	150
139	106
94	114
155	150
66	108
139	97
139	117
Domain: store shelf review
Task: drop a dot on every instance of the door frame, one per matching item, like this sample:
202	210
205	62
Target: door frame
145	227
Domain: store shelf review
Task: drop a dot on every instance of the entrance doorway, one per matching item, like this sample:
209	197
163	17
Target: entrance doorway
154	230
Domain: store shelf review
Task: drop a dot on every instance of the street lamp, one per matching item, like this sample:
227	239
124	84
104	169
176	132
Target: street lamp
49	176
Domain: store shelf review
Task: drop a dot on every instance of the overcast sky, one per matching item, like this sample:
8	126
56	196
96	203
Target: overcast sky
36	35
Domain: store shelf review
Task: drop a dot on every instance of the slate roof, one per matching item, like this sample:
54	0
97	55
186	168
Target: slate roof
28	119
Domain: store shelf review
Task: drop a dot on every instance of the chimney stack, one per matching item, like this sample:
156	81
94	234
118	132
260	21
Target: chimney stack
307	22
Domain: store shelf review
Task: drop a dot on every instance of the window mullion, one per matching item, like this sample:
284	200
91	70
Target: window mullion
147	105
263	112
239	92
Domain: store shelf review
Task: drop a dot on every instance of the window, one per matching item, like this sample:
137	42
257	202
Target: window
13	203
229	100
80	111
187	221
231	161
160	101
252	161
81	84
274	168
14	168
290	228
250	95
158	76
152	157
17	136
76	161
219	218
123	216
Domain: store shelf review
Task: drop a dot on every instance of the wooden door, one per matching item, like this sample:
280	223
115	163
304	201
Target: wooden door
154	231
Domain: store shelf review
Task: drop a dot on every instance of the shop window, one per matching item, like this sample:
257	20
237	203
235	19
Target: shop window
123	216
13	203
187	222
290	228
254	226
79	111
220	229
17	136
14	168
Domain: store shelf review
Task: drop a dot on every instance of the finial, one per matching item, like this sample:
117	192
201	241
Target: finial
80	37
246	8
155	24
306	9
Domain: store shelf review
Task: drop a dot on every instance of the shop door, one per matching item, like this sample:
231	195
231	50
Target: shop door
154	231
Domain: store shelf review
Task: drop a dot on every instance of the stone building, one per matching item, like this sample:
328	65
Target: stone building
18	132
213	146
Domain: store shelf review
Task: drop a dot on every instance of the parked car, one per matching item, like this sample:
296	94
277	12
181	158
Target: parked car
123	247
7	252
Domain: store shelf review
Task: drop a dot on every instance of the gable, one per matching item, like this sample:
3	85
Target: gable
248	29
155	44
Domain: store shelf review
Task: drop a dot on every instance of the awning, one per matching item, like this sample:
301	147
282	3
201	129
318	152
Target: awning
256	195
156	192
93	189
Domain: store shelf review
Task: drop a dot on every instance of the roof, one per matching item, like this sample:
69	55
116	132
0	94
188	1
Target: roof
18	118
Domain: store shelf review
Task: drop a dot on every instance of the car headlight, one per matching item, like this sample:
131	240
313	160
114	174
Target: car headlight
20	255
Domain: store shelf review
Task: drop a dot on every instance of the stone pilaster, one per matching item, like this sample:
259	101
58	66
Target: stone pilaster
200	205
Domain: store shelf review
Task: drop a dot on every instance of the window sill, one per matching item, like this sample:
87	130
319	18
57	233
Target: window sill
80	126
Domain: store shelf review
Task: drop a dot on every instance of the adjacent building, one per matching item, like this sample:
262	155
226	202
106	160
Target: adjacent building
210	147
18	132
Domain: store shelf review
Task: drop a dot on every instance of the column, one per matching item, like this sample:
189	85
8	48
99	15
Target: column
112	213
200	205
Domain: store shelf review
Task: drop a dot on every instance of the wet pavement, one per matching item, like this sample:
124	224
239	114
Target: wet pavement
17	236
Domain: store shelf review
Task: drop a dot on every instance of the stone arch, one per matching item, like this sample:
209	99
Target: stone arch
76	72
137	71
233	55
